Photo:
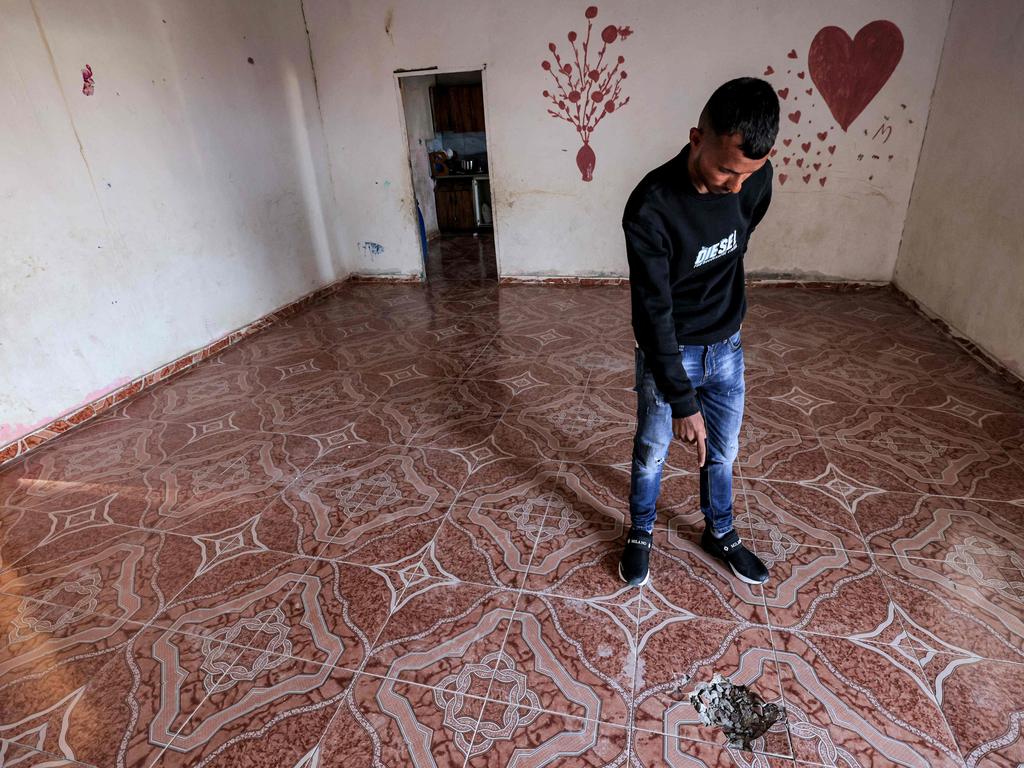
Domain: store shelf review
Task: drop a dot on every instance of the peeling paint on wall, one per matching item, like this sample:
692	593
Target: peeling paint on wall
9	432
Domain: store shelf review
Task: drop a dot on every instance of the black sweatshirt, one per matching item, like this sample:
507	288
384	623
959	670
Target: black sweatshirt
685	252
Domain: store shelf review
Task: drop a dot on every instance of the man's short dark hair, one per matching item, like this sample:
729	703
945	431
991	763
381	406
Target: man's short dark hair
748	106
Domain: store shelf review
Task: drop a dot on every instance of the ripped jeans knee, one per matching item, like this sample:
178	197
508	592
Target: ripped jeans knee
648	458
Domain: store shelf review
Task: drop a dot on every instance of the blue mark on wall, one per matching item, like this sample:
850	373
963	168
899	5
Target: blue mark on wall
371	249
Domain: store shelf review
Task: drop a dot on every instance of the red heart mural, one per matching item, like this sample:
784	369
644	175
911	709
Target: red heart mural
849	73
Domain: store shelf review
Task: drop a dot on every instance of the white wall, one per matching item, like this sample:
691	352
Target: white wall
550	222
961	255
187	197
419	125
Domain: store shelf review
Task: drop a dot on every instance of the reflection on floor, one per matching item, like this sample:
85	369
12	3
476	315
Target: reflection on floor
462	260
385	532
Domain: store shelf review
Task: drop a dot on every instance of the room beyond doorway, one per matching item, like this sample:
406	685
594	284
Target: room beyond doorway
448	159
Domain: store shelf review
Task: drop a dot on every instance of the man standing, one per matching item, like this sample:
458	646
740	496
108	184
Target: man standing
687	225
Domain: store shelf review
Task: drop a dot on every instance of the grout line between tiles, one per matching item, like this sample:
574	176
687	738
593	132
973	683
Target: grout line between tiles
225	674
504	642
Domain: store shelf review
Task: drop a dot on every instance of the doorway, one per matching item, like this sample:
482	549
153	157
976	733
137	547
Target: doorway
448	157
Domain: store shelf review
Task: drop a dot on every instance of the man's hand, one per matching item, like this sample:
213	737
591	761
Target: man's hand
691	430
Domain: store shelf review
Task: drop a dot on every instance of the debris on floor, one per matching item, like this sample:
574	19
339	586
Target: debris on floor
742	715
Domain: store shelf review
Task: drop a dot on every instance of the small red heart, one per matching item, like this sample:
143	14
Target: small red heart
801	75
772	153
800	162
783	92
782	178
809	91
785	160
805	146
823	135
795	116
769	71
817	166
787	142
822	180
831	149
792	53
806	178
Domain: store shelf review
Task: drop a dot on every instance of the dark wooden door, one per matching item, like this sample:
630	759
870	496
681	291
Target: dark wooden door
454	201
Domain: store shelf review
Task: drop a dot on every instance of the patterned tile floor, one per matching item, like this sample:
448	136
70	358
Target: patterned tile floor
384	533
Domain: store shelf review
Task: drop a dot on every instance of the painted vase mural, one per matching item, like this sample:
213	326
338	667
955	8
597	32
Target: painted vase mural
587	86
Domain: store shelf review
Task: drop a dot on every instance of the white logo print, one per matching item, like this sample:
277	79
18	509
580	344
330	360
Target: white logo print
713	251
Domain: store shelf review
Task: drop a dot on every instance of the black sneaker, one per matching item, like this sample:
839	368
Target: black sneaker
633	567
744	563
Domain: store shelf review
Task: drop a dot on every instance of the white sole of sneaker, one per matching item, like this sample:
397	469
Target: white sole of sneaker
647	578
741	577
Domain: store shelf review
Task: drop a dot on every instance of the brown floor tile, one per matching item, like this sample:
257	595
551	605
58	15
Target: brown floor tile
227	467
975	538
521	372
368	480
48	654
132	576
508	735
574	557
688	580
571	427
814	589
442	632
502	482
355	534
959	614
120	496
16	755
598	493
205	393
102	448
481	545
36	536
568	657
657	749
789	515
793	458
401	724
852	700
956	466
970	687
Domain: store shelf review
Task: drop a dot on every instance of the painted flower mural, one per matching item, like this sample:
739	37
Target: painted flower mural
587	85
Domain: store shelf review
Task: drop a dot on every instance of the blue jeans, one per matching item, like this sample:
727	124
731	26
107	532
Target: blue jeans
716	372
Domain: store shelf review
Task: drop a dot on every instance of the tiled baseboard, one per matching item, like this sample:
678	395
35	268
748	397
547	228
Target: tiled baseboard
403	279
992	363
574	281
22	445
